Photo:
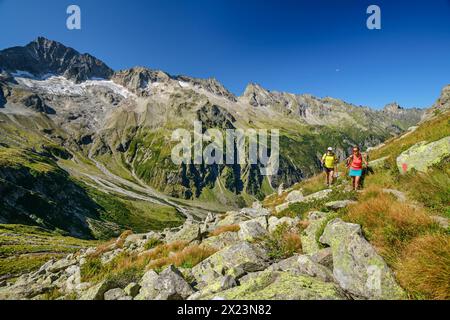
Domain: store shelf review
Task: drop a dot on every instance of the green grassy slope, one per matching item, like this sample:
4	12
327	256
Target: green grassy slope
406	234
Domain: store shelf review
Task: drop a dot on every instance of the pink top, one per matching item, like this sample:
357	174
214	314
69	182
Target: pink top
356	162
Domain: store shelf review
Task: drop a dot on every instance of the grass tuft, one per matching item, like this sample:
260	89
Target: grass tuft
223	229
424	269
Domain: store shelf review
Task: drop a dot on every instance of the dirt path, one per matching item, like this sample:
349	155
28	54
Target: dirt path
140	191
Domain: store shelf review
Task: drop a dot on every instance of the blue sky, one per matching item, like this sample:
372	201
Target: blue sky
321	47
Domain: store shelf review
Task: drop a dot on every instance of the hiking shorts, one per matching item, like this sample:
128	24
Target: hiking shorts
328	170
355	172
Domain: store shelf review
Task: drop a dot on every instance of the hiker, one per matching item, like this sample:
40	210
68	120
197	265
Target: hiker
355	164
329	161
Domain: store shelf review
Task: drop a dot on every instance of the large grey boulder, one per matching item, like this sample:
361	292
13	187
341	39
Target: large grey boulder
312	197
282	207
189	232
295	196
251	230
323	257
222	240
96	292
322	194
168	285
132	289
255	212
356	265
340	204
275	222
378	163
279	285
232	217
423	155
238	259
60	265
310	235
401	196
115	294
220	284
303	265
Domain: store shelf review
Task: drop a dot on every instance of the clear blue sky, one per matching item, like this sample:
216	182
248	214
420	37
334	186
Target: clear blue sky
320	47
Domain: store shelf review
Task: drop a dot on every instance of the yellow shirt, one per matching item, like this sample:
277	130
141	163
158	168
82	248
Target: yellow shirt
329	160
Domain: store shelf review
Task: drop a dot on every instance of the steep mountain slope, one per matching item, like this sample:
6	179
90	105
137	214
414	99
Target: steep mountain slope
43	57
103	139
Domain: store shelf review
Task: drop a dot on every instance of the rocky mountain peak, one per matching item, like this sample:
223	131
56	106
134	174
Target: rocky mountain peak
254	89
257	95
210	84
137	79
393	107
43	56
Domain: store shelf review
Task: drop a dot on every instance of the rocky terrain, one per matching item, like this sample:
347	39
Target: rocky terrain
341	265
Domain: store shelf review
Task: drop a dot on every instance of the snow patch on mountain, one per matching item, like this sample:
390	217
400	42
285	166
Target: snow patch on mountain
58	85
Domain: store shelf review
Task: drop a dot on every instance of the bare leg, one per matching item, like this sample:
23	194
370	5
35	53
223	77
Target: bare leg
353	183
331	177
357	182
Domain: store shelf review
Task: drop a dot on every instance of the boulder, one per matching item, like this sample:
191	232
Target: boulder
110	255
442	221
316	215
323	257
274	222
74	278
190	232
309	236
303	265
336	205
96	292
220	284
378	163
396	193
254	213
257	205
279	285
251	230
312	197
222	240
114	294
308	265
168	285
60	265
232	217
357	267
132	289
423	155
318	195
295	196
282	207
237	259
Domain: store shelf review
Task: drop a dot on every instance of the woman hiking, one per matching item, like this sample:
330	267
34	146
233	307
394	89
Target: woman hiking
329	161
355	164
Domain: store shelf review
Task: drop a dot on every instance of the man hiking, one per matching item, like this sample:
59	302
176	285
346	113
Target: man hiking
329	161
355	164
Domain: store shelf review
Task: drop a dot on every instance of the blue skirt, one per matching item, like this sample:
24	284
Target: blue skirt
355	173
